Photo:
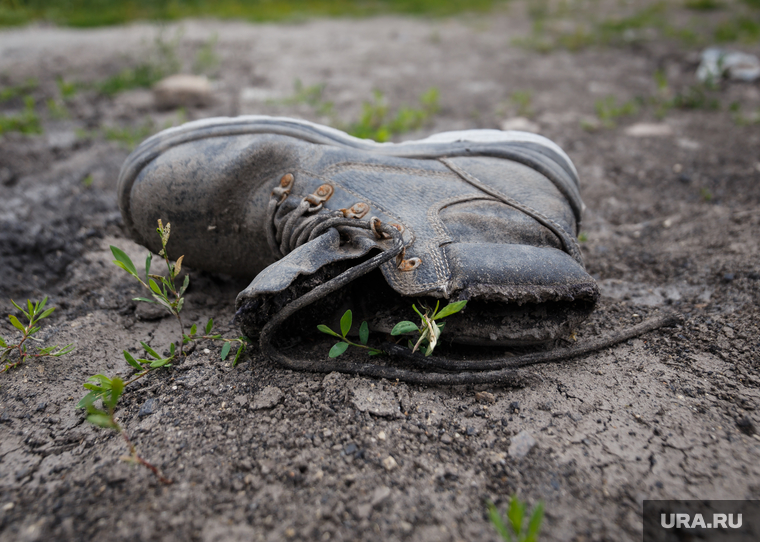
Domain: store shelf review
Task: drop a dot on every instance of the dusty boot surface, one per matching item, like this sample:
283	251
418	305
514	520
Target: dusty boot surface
485	216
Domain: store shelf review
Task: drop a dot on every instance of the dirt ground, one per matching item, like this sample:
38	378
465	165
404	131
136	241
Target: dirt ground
260	453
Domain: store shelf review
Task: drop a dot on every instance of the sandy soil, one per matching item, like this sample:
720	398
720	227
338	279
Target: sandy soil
672	223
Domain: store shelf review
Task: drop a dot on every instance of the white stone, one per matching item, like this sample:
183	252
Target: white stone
647	129
521	124
521	445
389	463
182	90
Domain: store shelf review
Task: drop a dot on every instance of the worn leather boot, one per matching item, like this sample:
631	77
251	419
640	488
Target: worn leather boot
324	222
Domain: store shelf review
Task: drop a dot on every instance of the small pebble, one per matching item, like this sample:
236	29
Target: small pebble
521	444
148	407
484	397
267	398
389	463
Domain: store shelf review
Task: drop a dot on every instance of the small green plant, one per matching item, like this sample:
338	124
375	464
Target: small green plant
522	100
129	136
25	122
162	61
68	89
345	326
89	13
429	329
742	119
706	194
741	28
165	292
312	95
17	91
111	390
517	531
168	295
206	60
703	5
13	353
57	110
609	111
582	237
141	76
695	97
375	122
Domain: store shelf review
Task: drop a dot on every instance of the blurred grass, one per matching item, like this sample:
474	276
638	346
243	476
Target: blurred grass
88	13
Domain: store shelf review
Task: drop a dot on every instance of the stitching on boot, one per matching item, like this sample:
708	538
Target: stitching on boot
572	247
371	168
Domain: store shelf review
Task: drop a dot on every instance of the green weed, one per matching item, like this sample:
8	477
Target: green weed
706	194
624	28
17	91
162	61
582	237
165	292
698	96
88	13
742	119
704	5
206	60
129	136
644	24
377	123
695	97
345	326
14	353
522	99
609	111
110	390
312	95
27	121
68	89
57	110
142	76
514	529
429	329
741	28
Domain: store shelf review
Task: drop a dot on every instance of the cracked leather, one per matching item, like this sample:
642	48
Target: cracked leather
214	183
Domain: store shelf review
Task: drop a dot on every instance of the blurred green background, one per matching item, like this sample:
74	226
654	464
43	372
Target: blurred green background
85	13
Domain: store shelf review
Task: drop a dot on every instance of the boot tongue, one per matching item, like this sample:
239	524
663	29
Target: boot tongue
305	260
